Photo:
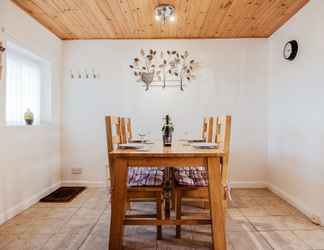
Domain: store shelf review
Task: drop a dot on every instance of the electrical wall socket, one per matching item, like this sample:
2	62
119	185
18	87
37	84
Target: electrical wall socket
76	170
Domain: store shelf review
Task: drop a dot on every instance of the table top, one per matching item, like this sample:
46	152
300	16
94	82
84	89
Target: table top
178	149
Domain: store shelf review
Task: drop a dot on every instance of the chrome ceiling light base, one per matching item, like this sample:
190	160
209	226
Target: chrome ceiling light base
165	13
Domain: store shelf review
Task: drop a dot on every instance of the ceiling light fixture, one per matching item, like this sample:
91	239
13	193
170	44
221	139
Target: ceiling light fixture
165	13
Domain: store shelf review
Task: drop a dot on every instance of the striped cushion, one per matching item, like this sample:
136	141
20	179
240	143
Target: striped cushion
140	177
191	176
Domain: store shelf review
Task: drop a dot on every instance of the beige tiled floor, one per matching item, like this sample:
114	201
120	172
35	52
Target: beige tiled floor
257	219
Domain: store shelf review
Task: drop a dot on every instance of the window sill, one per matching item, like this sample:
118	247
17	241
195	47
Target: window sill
41	125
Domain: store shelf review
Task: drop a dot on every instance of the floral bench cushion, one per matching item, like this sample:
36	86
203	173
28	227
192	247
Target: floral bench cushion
143	177
191	176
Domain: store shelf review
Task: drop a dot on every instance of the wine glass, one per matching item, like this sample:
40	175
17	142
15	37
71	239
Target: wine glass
186	135
148	135
142	137
186	138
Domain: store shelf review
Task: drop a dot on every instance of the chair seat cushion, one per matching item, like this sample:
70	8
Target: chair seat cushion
191	176
144	177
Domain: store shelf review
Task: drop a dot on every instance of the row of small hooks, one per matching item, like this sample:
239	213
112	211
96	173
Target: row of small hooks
84	75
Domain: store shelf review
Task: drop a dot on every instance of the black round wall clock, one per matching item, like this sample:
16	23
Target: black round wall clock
290	50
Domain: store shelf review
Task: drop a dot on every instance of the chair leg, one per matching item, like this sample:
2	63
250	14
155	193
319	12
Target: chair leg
173	197
178	198
225	203
159	215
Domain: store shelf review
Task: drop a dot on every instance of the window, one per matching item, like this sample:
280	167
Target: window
26	88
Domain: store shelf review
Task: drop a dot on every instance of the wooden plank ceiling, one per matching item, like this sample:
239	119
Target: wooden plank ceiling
134	19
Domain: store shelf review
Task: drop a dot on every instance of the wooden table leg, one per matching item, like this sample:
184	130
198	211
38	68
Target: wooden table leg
216	204
118	203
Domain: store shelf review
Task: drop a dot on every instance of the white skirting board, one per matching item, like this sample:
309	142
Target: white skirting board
23	205
27	203
79	183
283	195
296	203
248	184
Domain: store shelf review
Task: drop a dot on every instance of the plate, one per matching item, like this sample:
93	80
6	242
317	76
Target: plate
136	141
196	140
205	145
131	146
140	141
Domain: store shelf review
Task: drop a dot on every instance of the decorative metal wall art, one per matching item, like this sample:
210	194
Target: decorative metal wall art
164	68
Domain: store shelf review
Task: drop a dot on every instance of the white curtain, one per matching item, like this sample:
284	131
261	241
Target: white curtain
23	80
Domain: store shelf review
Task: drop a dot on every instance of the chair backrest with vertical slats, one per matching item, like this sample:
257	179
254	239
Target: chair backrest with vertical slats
114	137
113	132
222	131
123	130
207	129
222	136
126	129
129	129
204	128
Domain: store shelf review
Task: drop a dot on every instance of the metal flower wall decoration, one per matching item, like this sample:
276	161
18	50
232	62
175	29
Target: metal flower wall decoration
163	68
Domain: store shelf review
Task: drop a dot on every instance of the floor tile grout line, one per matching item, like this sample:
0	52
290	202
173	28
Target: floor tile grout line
7	244
266	240
51	235
101	216
256	229
67	221
292	231
91	230
250	222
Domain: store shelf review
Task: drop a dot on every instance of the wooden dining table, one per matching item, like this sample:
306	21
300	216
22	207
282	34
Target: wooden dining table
178	155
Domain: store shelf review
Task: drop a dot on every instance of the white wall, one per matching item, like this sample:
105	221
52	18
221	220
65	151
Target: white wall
29	157
296	112
283	131
232	80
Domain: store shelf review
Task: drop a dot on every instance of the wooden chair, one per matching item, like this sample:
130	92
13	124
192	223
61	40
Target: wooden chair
127	130
197	190
137	191
207	129
207	136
